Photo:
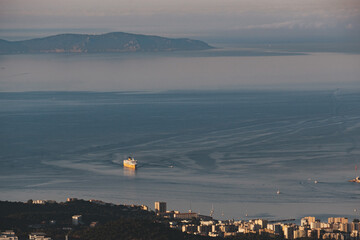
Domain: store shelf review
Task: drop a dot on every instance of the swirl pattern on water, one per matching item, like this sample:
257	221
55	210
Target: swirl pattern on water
230	149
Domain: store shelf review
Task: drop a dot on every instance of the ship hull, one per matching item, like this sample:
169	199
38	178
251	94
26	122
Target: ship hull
130	164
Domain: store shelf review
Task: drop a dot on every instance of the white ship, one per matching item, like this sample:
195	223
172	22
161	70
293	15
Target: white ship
130	163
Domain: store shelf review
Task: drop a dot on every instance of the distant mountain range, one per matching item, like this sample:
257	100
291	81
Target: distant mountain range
104	43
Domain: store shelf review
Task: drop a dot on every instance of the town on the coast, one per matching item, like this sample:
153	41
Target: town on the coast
192	223
336	228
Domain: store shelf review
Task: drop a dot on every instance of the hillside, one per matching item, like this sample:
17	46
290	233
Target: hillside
114	222
100	221
104	43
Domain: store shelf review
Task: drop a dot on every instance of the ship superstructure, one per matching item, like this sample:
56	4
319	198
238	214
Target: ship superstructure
130	163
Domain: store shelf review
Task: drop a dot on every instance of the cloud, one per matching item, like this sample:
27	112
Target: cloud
140	7
181	17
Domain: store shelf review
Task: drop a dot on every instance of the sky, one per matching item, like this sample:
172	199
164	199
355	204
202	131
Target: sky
214	20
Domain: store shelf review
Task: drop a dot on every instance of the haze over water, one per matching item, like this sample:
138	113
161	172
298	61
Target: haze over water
222	68
230	148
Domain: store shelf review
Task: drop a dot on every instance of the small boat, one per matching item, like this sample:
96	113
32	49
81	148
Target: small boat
278	192
130	163
357	180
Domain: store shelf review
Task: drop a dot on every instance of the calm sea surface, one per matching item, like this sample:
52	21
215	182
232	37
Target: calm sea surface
230	149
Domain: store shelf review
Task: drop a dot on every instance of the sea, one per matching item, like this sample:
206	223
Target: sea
68	121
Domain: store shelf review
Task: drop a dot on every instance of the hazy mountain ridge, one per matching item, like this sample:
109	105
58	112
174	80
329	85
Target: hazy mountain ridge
109	42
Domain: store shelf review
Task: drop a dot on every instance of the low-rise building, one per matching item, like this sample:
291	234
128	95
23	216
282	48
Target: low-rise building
76	219
71	199
8	235
190	228
189	215
204	229
97	201
94	224
39	202
38	236
144	207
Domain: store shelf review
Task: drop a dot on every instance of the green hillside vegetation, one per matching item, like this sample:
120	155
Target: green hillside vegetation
52	218
114	222
134	229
